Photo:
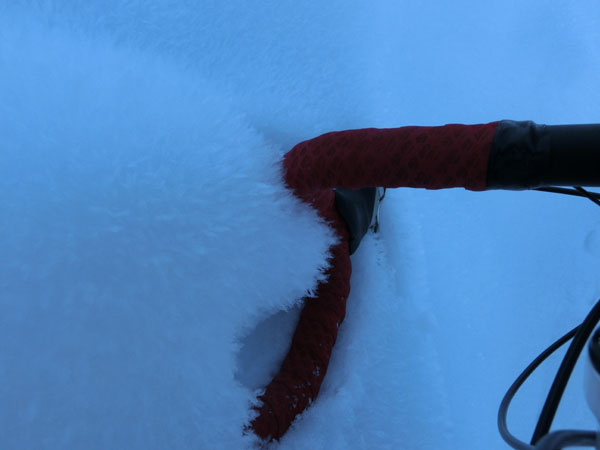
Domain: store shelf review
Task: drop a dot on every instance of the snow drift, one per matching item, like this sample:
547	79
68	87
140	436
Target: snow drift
145	229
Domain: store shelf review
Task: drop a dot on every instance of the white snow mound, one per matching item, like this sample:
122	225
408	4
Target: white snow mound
145	229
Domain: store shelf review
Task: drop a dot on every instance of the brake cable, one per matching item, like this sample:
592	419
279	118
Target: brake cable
579	335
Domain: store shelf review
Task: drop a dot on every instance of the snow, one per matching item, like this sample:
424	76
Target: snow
151	260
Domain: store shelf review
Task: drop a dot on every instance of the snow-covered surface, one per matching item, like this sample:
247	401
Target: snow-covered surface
151	260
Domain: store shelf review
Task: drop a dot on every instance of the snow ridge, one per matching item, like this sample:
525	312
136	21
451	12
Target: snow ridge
141	237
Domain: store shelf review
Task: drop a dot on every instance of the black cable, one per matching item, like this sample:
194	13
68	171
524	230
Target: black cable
579	334
589	195
582	334
577	192
505	404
